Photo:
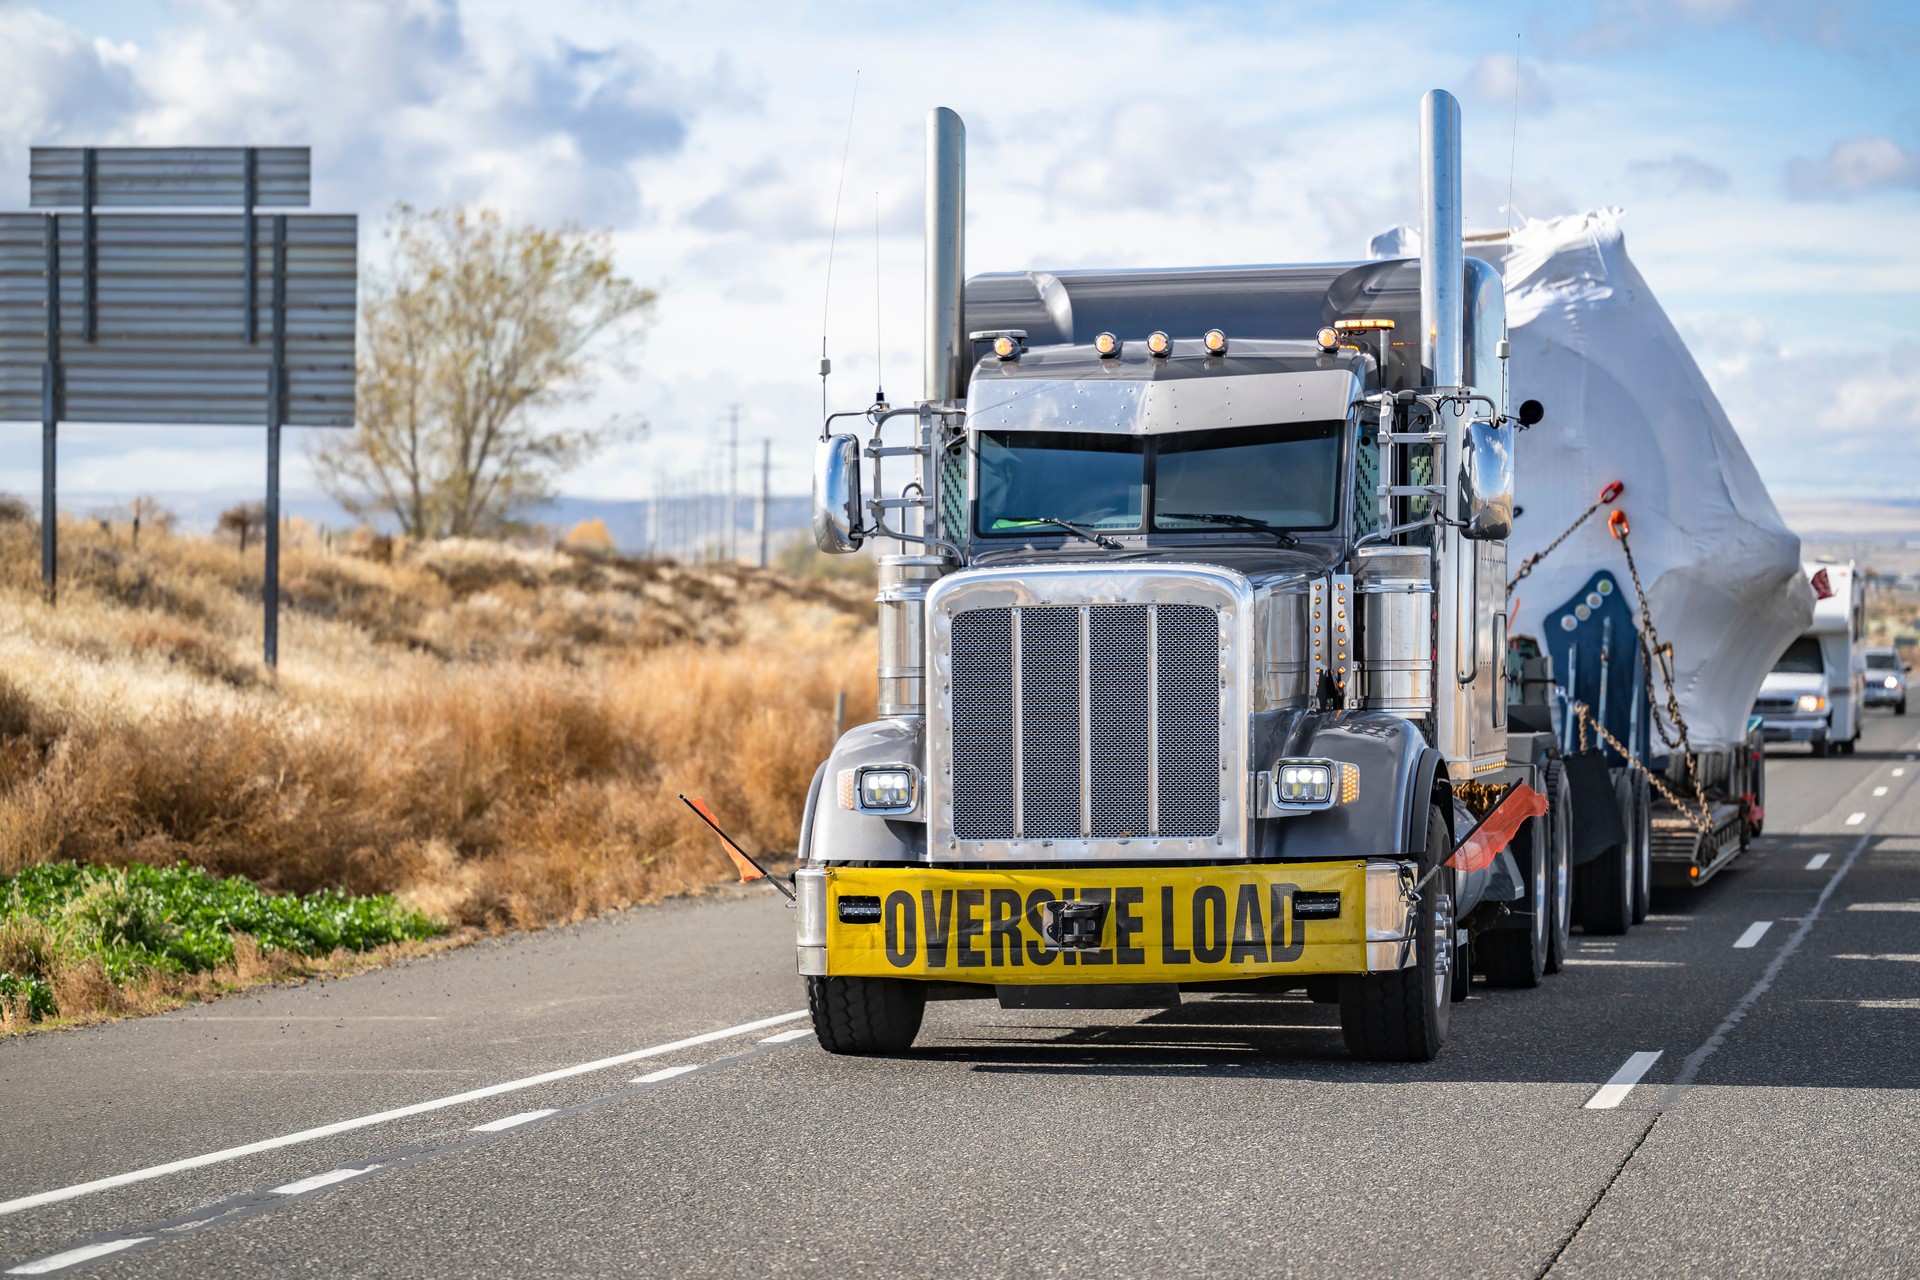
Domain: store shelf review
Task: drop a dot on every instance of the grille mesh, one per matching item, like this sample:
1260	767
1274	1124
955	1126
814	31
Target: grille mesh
1116	722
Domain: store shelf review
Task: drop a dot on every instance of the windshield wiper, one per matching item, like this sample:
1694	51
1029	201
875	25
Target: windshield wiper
1078	531
1284	538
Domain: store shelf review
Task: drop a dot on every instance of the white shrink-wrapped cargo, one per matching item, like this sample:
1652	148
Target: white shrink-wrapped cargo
1625	401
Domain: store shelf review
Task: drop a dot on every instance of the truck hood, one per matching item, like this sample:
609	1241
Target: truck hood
1791	684
1259	565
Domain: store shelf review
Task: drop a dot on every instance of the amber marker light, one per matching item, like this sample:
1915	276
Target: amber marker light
1107	345
1215	342
1328	338
1005	347
1159	344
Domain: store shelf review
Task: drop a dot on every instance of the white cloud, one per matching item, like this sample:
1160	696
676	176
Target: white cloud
1492	84
1855	166
1678	174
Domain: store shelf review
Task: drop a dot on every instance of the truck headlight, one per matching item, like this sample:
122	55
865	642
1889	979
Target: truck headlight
1308	784
1893	682
1812	702
887	788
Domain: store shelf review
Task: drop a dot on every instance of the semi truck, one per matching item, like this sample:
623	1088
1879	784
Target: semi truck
1192	663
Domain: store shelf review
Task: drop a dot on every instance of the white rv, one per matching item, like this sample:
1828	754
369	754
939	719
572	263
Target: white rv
1816	689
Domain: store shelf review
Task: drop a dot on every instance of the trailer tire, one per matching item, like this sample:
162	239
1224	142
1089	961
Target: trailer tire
1604	891
1560	885
1640	831
1403	1016
866	1016
1518	957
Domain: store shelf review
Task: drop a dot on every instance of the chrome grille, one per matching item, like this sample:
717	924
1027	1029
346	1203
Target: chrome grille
1775	706
1093	721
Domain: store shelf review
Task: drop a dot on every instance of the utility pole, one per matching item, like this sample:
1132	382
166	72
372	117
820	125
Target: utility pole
653	516
732	542
760	511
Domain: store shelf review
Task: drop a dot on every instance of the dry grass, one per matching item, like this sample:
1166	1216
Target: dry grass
496	735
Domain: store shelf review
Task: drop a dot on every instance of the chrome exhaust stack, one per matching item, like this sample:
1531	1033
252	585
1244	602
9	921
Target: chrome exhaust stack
1442	255
946	351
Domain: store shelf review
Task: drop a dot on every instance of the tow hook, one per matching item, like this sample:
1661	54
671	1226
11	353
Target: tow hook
1073	926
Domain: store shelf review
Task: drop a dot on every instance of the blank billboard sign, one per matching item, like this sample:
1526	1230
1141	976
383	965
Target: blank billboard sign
170	295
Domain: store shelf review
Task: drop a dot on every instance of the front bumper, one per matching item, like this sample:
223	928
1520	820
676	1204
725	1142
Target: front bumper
1161	924
1878	695
1778	728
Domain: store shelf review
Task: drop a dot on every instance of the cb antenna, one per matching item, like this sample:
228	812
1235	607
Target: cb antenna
1513	151
879	366
833	237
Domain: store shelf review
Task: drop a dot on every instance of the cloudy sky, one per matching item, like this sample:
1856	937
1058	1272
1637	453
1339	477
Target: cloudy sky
1767	153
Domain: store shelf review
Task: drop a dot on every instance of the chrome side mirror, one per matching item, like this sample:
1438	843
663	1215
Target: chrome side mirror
836	495
1486	482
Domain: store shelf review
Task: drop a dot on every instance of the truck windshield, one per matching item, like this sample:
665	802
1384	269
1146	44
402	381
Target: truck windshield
1267	478
1883	662
1801	658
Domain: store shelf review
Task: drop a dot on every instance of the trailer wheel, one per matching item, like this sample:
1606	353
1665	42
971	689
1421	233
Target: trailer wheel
1403	1016
866	1015
1641	832
1560	841
1518	957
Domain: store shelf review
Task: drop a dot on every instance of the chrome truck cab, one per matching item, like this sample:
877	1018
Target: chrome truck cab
1200	626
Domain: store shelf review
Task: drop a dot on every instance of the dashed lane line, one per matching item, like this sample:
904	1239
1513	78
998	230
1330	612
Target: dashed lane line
320	1180
1879	791
1751	938
235	1208
382	1117
1818	861
74	1257
1615	1090
1855	819
505	1123
667	1073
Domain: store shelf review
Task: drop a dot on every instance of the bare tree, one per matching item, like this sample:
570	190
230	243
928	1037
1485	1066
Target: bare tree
243	521
475	332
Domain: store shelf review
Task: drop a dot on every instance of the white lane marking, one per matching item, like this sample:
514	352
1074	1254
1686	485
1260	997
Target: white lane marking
1855	819
1888	1004
381	1117
1900	773
1899	956
1755	931
1817	861
320	1180
1626	964
668	1073
1884	906
85	1253
513	1122
1879	791
1615	1091
788	1037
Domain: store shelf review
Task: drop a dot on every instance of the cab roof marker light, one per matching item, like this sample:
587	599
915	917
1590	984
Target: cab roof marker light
1328	338
1215	342
1007	347
1361	326
1106	345
1159	344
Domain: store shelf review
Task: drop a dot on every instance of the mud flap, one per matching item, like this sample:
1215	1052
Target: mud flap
1596	812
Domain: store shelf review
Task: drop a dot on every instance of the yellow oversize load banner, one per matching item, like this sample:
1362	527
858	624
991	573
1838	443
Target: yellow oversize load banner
1160	924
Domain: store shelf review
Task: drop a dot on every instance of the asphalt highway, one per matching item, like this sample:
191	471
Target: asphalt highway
1733	1089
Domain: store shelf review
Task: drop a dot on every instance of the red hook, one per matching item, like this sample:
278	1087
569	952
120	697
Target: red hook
1612	491
1617	522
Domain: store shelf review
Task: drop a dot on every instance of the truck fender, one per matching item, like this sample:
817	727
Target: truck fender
1387	818
803	852
832	833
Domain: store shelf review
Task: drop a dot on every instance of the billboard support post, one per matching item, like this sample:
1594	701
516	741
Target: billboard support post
276	407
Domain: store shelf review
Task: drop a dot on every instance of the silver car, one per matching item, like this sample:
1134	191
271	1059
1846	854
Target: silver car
1886	680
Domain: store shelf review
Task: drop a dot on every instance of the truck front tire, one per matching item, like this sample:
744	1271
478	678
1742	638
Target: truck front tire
866	1016
1403	1016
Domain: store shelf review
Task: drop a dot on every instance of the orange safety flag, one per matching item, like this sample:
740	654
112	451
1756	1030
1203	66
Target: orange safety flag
748	871
1496	830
